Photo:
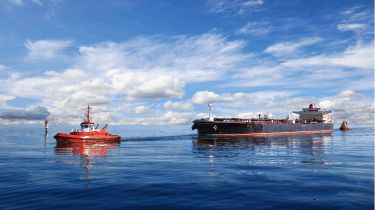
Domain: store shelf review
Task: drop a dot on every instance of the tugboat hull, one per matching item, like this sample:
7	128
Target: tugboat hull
79	136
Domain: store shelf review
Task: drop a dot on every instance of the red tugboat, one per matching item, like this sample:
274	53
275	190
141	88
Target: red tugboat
89	131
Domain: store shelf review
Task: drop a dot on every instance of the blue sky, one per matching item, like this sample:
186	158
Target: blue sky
162	61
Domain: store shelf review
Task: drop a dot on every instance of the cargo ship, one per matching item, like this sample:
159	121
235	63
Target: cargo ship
311	120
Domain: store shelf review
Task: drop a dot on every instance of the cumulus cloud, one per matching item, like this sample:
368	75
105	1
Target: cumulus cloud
349	105
141	109
347	94
160	87
123	79
35	113
205	97
178	105
109	74
240	104
46	49
169	117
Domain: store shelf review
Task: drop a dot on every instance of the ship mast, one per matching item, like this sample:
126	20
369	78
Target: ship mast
210	111
88	114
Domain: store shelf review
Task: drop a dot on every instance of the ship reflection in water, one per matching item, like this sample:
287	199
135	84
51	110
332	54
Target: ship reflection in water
272	149
87	150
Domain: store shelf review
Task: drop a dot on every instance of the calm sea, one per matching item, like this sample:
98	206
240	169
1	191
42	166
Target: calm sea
168	167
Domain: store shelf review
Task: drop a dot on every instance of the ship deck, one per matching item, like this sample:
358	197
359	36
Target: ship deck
256	121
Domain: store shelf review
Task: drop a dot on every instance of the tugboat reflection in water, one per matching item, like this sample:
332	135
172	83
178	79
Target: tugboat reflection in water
87	150
89	141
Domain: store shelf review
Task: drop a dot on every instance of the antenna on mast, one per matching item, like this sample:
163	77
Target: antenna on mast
210	111
88	113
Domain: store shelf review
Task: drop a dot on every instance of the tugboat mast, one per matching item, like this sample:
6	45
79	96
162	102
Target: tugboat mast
88	114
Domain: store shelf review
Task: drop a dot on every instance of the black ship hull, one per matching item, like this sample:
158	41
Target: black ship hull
219	128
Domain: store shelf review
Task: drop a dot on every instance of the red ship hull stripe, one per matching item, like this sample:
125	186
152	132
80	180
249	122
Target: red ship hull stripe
274	133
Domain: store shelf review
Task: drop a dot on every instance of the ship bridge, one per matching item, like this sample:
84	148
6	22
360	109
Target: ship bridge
87	125
314	113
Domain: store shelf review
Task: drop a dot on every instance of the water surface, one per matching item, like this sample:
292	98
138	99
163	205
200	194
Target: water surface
168	167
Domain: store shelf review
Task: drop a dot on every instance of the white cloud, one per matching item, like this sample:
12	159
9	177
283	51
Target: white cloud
346	94
106	74
48	85
358	19
357	13
346	105
144	84
171	118
21	3
146	68
190	59
360	56
286	48
46	49
159	87
351	27
352	106
233	6
255	28
4	99
352	67
178	105
141	109
204	97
